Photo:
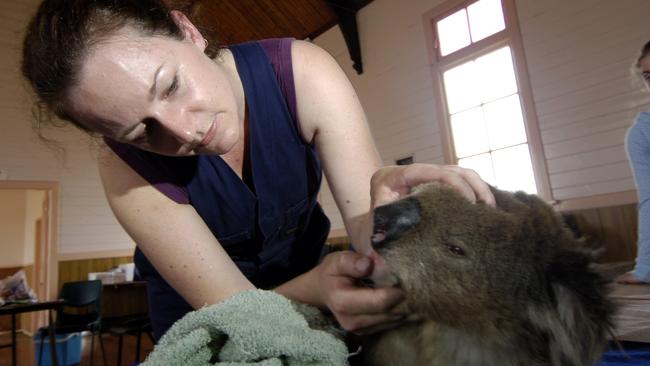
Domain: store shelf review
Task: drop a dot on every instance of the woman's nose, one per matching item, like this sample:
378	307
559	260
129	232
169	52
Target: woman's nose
179	126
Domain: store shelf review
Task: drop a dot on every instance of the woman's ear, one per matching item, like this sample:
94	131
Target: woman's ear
188	29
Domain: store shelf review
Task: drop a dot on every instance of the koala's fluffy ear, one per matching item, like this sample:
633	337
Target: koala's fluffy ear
545	221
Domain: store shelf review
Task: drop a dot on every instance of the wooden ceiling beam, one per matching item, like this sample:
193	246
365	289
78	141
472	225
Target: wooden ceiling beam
226	22
346	14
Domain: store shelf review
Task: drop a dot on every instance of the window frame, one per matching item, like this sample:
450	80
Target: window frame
509	36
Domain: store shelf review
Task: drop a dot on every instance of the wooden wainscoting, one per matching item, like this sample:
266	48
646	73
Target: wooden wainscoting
78	269
614	227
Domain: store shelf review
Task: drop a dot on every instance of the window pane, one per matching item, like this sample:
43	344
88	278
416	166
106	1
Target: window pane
485	19
481	164
460	87
505	124
514	170
496	74
453	32
469	133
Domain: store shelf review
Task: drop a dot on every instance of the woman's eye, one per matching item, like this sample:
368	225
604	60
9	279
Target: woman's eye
172	87
456	250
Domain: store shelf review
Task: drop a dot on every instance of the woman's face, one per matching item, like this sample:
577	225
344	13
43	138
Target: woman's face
645	70
159	94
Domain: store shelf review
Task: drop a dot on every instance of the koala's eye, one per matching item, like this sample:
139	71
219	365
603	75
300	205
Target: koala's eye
456	250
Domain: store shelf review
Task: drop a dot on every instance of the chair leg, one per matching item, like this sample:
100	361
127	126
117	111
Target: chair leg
40	350
101	345
120	343
138	343
92	348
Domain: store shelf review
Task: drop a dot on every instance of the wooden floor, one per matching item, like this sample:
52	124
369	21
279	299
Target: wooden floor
25	350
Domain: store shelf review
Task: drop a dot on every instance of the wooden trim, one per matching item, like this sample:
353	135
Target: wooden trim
511	37
529	111
95	255
597	201
337	233
438	90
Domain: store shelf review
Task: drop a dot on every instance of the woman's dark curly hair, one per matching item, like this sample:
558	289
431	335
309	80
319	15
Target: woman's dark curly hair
61	33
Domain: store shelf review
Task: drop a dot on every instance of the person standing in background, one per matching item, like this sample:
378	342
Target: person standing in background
637	143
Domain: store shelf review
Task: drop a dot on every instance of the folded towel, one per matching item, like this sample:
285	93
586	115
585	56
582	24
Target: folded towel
254	327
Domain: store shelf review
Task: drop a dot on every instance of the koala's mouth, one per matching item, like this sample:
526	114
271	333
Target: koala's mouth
382	275
390	222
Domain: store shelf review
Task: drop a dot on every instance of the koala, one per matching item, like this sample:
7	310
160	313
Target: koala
498	286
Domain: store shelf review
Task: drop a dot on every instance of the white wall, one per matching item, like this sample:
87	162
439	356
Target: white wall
579	55
86	222
12	222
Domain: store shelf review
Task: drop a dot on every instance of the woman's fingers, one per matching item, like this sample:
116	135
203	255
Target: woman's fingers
353	301
391	183
376	323
343	270
355	306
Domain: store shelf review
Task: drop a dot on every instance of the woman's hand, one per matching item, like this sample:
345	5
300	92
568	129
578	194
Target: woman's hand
357	308
393	182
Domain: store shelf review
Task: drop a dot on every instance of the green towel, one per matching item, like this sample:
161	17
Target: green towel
254	327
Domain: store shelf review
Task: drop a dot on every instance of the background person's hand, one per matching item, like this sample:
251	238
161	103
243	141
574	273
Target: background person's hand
357	308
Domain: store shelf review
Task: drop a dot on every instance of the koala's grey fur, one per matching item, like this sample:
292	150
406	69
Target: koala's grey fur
495	286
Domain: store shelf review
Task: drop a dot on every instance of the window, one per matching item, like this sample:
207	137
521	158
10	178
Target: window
479	70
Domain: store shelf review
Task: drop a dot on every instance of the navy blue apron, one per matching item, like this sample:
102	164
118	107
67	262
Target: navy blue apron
274	232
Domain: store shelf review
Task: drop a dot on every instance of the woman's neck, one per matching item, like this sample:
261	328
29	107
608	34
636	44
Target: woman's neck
226	61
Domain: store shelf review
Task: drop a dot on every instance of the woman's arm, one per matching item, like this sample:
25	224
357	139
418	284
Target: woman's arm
172	236
332	118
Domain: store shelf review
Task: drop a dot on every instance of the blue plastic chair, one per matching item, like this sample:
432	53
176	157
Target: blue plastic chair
80	312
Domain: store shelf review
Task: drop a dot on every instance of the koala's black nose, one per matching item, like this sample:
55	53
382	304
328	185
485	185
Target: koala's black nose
392	220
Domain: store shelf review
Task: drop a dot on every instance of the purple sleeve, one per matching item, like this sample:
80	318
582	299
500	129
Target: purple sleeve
153	172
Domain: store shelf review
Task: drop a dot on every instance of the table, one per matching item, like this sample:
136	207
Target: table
124	298
17	308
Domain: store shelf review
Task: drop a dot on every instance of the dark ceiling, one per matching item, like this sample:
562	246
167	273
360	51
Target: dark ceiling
236	21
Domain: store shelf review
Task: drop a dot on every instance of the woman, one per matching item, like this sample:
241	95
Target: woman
215	164
638	149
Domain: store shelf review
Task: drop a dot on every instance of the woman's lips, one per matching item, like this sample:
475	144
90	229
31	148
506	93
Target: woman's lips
209	134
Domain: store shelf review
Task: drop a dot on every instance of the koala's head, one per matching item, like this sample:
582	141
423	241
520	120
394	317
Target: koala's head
469	264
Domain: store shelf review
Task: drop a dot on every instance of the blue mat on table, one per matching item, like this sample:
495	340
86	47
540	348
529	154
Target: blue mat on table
635	354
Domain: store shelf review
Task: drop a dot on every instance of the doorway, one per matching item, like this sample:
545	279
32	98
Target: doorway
37	220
